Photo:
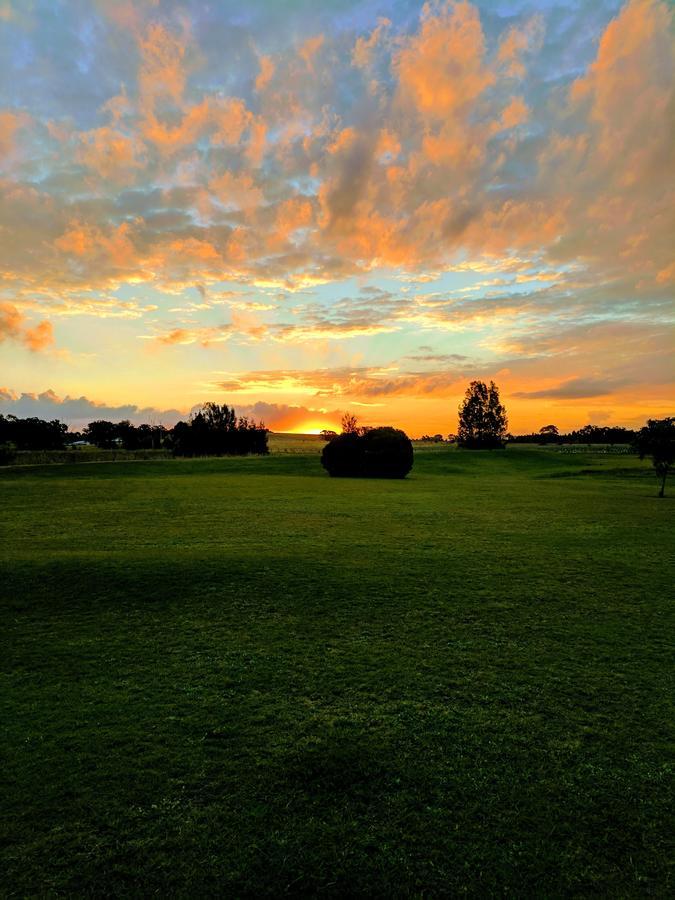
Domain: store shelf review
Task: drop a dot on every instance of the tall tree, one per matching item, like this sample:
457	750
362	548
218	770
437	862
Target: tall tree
482	418
657	439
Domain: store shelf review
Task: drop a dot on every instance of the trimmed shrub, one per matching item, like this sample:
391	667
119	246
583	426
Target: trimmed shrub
377	453
342	456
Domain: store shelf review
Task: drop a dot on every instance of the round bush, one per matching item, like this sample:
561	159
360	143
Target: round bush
379	453
342	456
388	453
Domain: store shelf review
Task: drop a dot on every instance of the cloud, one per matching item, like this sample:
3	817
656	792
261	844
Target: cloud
13	327
77	412
309	49
39	337
441	69
610	154
574	389
10	124
284	417
438	162
266	73
360	382
518	42
111	154
203	336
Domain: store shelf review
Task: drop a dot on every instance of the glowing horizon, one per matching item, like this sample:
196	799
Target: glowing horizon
300	209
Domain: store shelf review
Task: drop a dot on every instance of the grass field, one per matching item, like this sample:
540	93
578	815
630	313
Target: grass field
239	677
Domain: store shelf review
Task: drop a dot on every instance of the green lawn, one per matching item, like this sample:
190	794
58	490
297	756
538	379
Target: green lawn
243	678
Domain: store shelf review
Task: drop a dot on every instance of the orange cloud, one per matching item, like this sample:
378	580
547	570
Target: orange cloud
343	141
516	43
195	250
309	49
266	73
110	154
162	72
365	47
40	337
292	214
238	190
10	124
231	118
441	69
257	142
631	80
84	240
514	114
78	240
171	138
13	327
618	173
204	336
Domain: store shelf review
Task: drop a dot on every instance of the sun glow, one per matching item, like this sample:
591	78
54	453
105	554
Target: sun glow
312	428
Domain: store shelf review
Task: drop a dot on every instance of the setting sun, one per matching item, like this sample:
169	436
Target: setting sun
313	428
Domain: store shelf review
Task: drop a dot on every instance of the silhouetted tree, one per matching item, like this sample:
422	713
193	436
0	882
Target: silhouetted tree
101	433
549	434
327	434
32	433
350	424
219	418
482	418
432	438
151	437
215	431
127	435
589	434
657	439
375	453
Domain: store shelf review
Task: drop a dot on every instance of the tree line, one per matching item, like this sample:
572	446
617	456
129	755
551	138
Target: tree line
213	430
589	434
32	433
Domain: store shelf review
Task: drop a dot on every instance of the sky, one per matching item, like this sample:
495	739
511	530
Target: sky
302	207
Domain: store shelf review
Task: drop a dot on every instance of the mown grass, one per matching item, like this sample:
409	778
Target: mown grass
239	677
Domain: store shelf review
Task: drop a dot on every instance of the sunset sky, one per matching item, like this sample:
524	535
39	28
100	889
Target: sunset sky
305	207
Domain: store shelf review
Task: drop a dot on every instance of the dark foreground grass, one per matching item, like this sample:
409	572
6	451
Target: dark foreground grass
243	678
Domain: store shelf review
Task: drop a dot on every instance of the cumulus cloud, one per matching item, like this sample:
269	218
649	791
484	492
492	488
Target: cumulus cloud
14	327
79	411
432	166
